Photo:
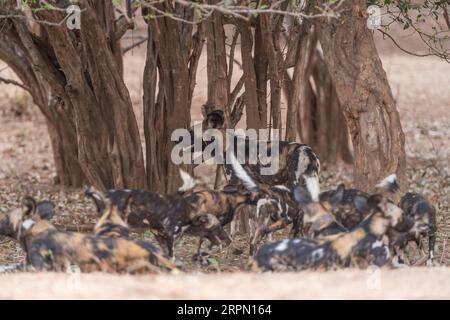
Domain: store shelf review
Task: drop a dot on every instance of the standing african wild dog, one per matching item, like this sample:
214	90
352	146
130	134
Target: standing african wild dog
199	214
297	163
275	207
52	250
419	220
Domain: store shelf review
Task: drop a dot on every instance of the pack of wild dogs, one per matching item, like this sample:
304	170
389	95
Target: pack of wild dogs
339	228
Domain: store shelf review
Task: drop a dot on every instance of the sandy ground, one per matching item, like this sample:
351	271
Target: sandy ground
421	88
411	283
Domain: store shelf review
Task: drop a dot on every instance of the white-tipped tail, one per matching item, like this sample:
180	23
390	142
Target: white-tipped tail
189	182
389	183
313	186
240	172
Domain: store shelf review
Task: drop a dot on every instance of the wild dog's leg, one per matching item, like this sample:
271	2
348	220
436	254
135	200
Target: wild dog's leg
165	244
419	244
258	235
36	259
198	254
280	224
431	244
170	246
398	261
297	226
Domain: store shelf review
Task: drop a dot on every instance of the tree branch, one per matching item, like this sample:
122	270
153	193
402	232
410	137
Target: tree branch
13	82
134	45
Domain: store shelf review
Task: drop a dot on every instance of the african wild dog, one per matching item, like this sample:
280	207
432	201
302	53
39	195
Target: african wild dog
165	215
364	245
348	205
205	226
45	209
419	217
170	215
52	250
419	220
319	217
298	164
275	207
223	204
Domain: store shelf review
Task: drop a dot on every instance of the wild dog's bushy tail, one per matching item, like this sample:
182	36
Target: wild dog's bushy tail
189	182
389	184
308	167
97	197
242	175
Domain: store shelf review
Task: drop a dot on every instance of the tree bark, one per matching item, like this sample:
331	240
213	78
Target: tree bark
299	83
172	60
218	89
59	118
110	151
364	94
256	114
94	106
321	122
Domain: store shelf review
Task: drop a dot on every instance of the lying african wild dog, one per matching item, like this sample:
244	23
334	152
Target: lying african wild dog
362	246
419	217
45	209
298	164
170	215
275	207
52	250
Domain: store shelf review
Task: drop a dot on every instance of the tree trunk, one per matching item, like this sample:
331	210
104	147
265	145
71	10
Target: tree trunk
110	151
218	93
85	74
59	118
364	94
321	122
299	83
256	114
172	60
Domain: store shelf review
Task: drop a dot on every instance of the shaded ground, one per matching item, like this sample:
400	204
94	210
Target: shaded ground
421	87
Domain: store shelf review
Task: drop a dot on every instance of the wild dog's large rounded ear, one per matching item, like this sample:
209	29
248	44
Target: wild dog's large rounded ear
376	202
45	209
215	119
97	197
230	188
360	203
338	195
30	206
302	195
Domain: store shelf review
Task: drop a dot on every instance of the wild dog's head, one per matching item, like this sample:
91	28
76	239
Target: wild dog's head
381	201
113	214
24	217
214	120
419	215
208	226
317	215
119	198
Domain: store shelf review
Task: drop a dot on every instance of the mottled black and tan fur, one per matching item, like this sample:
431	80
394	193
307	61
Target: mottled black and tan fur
52	250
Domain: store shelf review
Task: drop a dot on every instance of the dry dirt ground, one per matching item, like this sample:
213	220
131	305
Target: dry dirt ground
421	88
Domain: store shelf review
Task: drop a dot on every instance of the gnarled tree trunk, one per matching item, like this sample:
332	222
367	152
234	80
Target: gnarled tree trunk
84	71
172	59
364	94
